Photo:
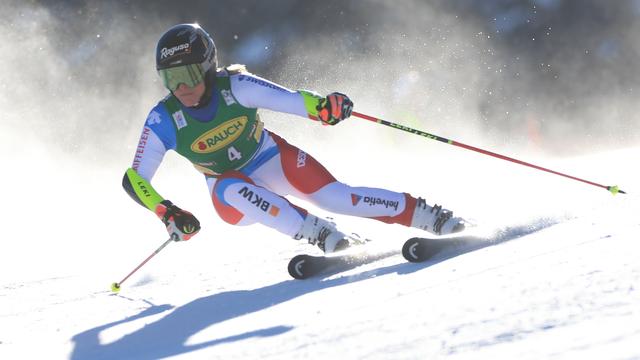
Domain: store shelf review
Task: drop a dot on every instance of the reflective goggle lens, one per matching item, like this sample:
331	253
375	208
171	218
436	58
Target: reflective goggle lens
190	75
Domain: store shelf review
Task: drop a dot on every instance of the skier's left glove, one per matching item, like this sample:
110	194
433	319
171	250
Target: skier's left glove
334	108
181	225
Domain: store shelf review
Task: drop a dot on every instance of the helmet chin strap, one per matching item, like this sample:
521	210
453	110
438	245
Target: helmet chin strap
195	106
209	76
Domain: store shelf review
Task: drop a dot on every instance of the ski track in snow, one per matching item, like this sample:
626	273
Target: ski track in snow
558	287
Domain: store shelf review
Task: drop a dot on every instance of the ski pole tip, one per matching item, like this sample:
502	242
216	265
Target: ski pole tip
115	287
615	190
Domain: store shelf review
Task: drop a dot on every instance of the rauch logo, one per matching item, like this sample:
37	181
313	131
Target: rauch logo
220	136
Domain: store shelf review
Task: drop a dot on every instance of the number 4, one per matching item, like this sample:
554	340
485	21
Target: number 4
234	154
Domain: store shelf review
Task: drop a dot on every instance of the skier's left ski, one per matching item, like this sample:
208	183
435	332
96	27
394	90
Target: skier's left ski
419	249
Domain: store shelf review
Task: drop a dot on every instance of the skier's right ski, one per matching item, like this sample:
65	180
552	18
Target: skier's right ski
422	249
305	266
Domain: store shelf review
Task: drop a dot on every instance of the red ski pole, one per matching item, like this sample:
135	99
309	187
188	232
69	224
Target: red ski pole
612	189
115	287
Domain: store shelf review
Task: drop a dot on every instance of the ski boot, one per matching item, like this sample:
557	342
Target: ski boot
322	233
435	220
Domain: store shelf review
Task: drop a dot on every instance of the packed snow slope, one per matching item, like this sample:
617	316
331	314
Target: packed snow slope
557	279
561	280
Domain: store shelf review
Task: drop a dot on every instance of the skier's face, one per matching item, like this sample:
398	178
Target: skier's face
189	96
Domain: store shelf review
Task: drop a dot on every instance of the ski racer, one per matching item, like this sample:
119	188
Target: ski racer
210	117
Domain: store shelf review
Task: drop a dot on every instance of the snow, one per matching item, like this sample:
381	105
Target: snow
561	283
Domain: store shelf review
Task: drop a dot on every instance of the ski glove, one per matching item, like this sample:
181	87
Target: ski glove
181	224
334	108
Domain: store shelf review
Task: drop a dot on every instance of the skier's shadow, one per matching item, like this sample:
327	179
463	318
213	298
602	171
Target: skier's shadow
168	336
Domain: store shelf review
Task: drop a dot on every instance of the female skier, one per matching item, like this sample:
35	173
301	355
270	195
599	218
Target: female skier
210	117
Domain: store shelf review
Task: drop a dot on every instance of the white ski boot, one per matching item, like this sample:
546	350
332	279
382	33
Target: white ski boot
322	233
435	220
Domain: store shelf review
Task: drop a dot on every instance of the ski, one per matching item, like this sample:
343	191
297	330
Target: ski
419	249
305	266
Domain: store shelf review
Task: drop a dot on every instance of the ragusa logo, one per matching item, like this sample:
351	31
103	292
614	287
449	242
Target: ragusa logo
220	136
168	52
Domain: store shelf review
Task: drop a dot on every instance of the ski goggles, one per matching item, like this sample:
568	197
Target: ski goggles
190	75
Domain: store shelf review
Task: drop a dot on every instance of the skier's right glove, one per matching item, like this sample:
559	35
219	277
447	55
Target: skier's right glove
181	224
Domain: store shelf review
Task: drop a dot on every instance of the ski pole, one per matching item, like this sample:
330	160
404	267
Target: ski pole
612	189
115	287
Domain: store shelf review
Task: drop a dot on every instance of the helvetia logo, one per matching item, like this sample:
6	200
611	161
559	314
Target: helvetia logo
373	201
220	136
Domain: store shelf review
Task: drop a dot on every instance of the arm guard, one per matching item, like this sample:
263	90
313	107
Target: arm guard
311	102
140	190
